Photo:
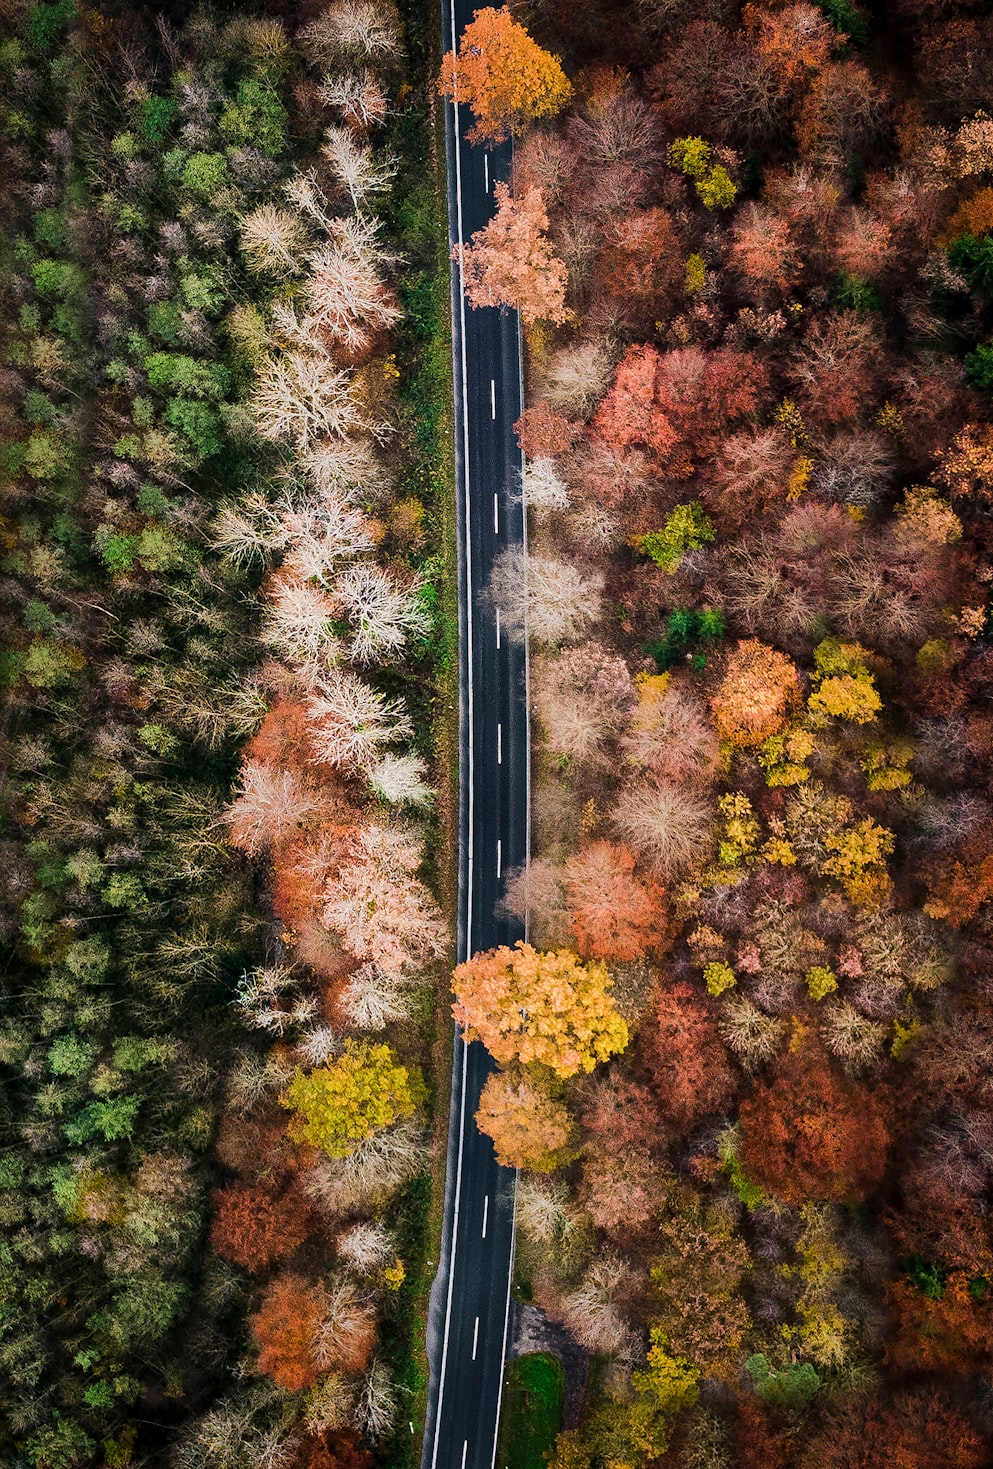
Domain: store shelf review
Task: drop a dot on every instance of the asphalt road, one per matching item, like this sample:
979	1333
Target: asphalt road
470	1300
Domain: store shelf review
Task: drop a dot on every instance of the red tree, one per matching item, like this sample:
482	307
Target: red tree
543	433
685	1058
811	1133
911	1430
253	1227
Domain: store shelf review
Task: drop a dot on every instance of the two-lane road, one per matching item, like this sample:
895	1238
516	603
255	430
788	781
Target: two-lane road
470	1301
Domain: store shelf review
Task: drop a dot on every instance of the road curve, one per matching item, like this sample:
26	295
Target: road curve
470	1298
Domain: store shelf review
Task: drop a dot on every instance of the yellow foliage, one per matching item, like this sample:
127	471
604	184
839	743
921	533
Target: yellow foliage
789	418
696	274
821	981
799	478
741	830
362	1090
779	851
845	689
718	977
782	756
529	1006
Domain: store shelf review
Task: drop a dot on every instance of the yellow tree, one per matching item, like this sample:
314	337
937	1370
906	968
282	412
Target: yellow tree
509	262
546	1007
339	1105
505	77
529	1128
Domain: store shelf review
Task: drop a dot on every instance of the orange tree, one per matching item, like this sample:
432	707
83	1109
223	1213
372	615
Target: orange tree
528	1006
505	77
509	262
528	1127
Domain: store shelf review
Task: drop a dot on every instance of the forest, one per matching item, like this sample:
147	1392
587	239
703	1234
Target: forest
744	1057
228	647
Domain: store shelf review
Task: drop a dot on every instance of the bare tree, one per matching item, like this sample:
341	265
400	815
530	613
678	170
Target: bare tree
582	696
383	912
302	398
273	240
542	488
361	174
399	779
536	894
369	1175
855	1040
352	28
297	625
753	1036
542	597
376	1408
576	377
366	1246
351	722
669	825
371	1000
591	1313
358	96
345	298
383	615
269	805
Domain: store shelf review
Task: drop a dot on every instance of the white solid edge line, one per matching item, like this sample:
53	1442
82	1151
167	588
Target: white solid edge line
469	721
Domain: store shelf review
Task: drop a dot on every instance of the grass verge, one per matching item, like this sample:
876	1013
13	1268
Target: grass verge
533	1399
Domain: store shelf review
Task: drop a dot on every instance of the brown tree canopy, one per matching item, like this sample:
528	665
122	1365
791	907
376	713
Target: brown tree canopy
812	1133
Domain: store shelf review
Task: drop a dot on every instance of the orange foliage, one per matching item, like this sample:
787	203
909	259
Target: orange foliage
795	40
759	692
253	1228
966	468
910	1430
285	1327
529	1006
509	262
811	1133
505	77
283	738
543	433
528	1128
641	261
951	1334
256	1147
763	248
974	216
958	889
614	915
339	1450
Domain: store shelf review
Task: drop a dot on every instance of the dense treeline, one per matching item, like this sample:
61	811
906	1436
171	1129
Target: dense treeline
206	249
752	248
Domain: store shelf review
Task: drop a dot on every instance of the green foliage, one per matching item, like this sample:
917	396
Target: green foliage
156	115
855	293
71	1055
843	15
50	665
793	1388
531	1415
205	173
972	257
748	1193
929	1279
58	279
686	528
174	372
684	628
46	21
256	116
200	426
979	368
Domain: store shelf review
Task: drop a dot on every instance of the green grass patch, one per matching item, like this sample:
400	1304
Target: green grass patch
533	1399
